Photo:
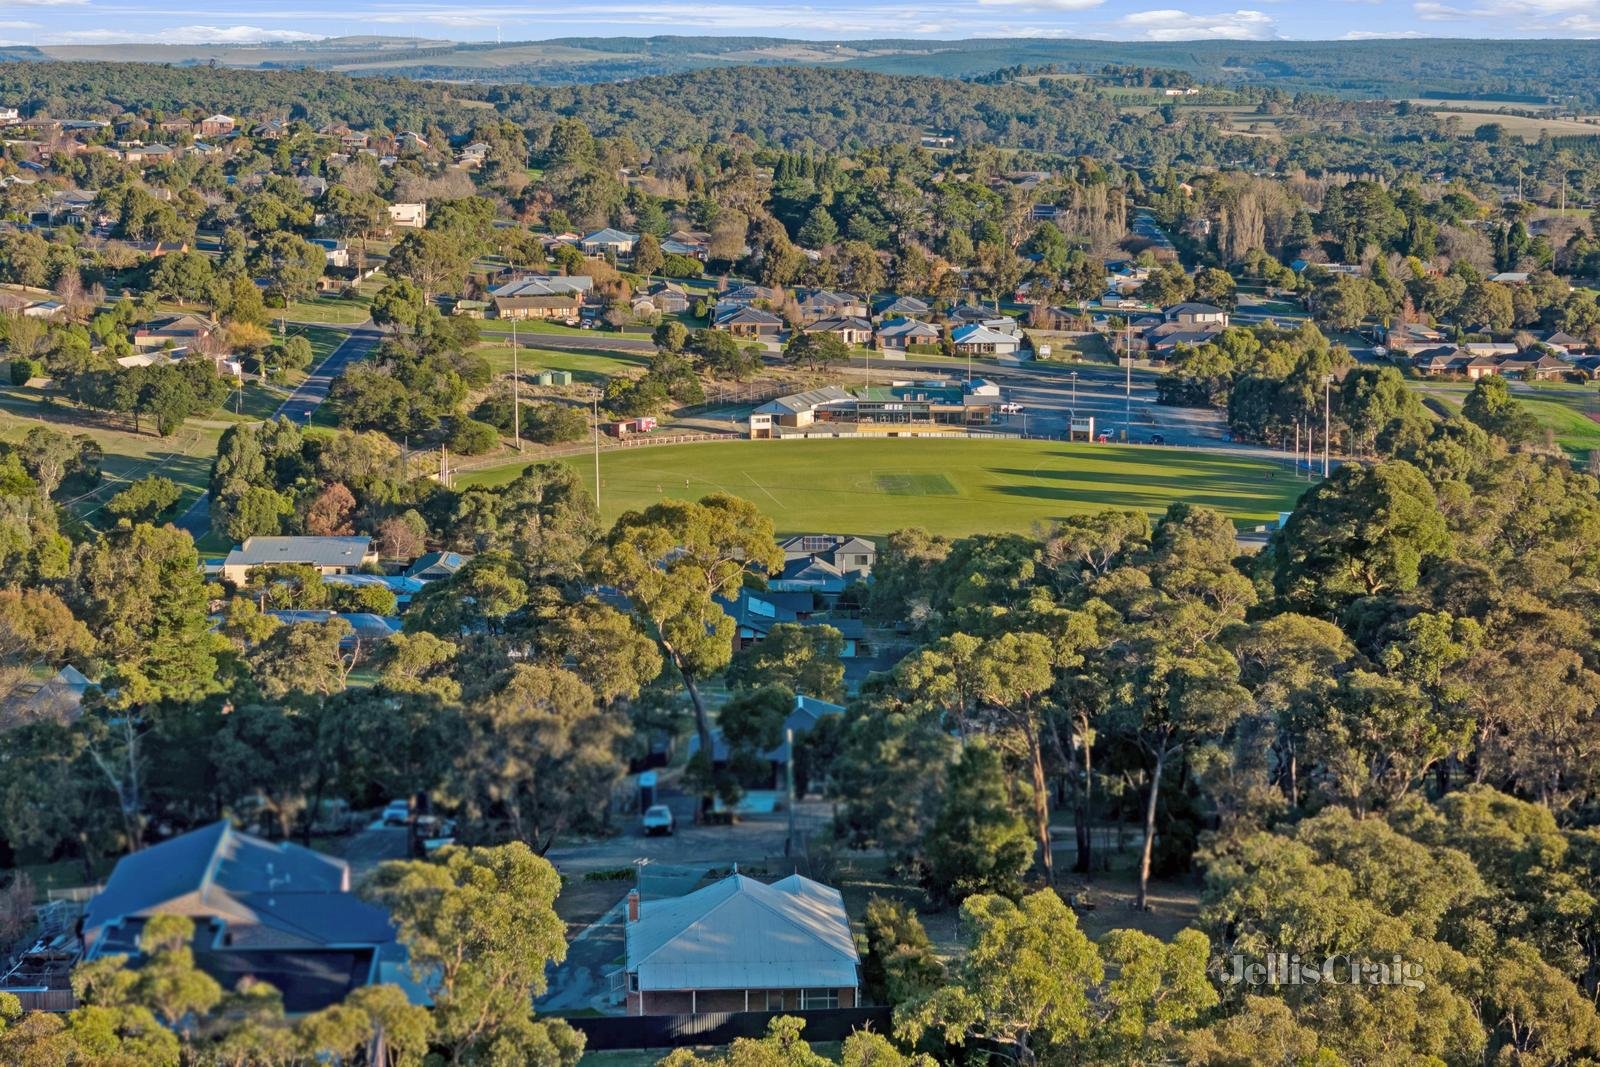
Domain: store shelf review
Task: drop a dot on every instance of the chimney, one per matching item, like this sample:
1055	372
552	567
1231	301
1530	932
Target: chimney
633	905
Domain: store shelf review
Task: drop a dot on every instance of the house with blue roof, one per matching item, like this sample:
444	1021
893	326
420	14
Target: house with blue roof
269	911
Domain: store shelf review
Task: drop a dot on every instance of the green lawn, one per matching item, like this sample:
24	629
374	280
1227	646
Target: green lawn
593	368
948	486
185	457
330	309
1561	407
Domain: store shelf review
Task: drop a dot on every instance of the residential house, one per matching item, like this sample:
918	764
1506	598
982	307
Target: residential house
895	336
745	295
1410	336
740	945
749	322
145	153
852	556
615	243
901	307
180	126
808	574
365	626
1510	277
403	587
335	252
691	243
1164	338
408	216
215	126
45	309
976	339
808	711
183	331
474	154
1441	361
8	115
818	304
71	207
329	555
541	296
662	298
963	313
271	130
58	698
1565	342
1193	314
410	141
268	911
436	566
850	329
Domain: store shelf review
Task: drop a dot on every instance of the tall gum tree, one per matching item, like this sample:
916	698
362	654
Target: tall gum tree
672	562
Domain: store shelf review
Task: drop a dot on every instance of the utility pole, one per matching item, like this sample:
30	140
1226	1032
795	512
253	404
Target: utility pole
516	391
597	449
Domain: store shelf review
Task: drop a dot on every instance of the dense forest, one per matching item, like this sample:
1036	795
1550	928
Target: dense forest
1395	69
807	107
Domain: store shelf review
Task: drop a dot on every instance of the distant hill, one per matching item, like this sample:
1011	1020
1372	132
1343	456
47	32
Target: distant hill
1561	72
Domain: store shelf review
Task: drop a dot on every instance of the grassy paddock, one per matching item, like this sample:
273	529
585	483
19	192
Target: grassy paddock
948	486
592	368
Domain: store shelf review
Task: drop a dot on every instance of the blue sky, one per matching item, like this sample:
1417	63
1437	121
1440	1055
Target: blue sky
241	21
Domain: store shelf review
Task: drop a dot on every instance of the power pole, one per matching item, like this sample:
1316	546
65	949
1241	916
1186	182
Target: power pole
597	449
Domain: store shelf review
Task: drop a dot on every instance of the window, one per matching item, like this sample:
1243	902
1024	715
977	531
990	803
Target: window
816	999
633	981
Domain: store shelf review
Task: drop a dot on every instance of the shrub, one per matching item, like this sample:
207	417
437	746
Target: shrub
469	437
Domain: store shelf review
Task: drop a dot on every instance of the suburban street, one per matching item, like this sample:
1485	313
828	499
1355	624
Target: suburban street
310	393
298	408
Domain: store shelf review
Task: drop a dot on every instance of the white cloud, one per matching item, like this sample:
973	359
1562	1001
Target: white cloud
1172	25
190	35
17	24
47	3
1383	35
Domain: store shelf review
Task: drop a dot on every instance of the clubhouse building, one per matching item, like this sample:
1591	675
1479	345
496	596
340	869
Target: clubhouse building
903	409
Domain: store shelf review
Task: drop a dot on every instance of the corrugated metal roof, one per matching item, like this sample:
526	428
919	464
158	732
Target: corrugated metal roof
739	934
317	551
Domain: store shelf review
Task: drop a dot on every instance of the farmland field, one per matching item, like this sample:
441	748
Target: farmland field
1523	126
949	486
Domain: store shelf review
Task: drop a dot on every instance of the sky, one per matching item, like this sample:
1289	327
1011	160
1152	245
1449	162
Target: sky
249	21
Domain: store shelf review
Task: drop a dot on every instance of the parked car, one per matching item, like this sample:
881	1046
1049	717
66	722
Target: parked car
397	813
1010	409
658	820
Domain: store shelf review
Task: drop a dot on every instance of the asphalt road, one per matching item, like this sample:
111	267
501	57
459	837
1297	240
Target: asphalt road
311	392
298	408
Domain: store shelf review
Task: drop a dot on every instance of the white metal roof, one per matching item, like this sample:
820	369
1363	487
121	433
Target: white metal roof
741	934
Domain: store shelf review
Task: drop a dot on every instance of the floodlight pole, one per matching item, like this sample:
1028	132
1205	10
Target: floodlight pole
1327	397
